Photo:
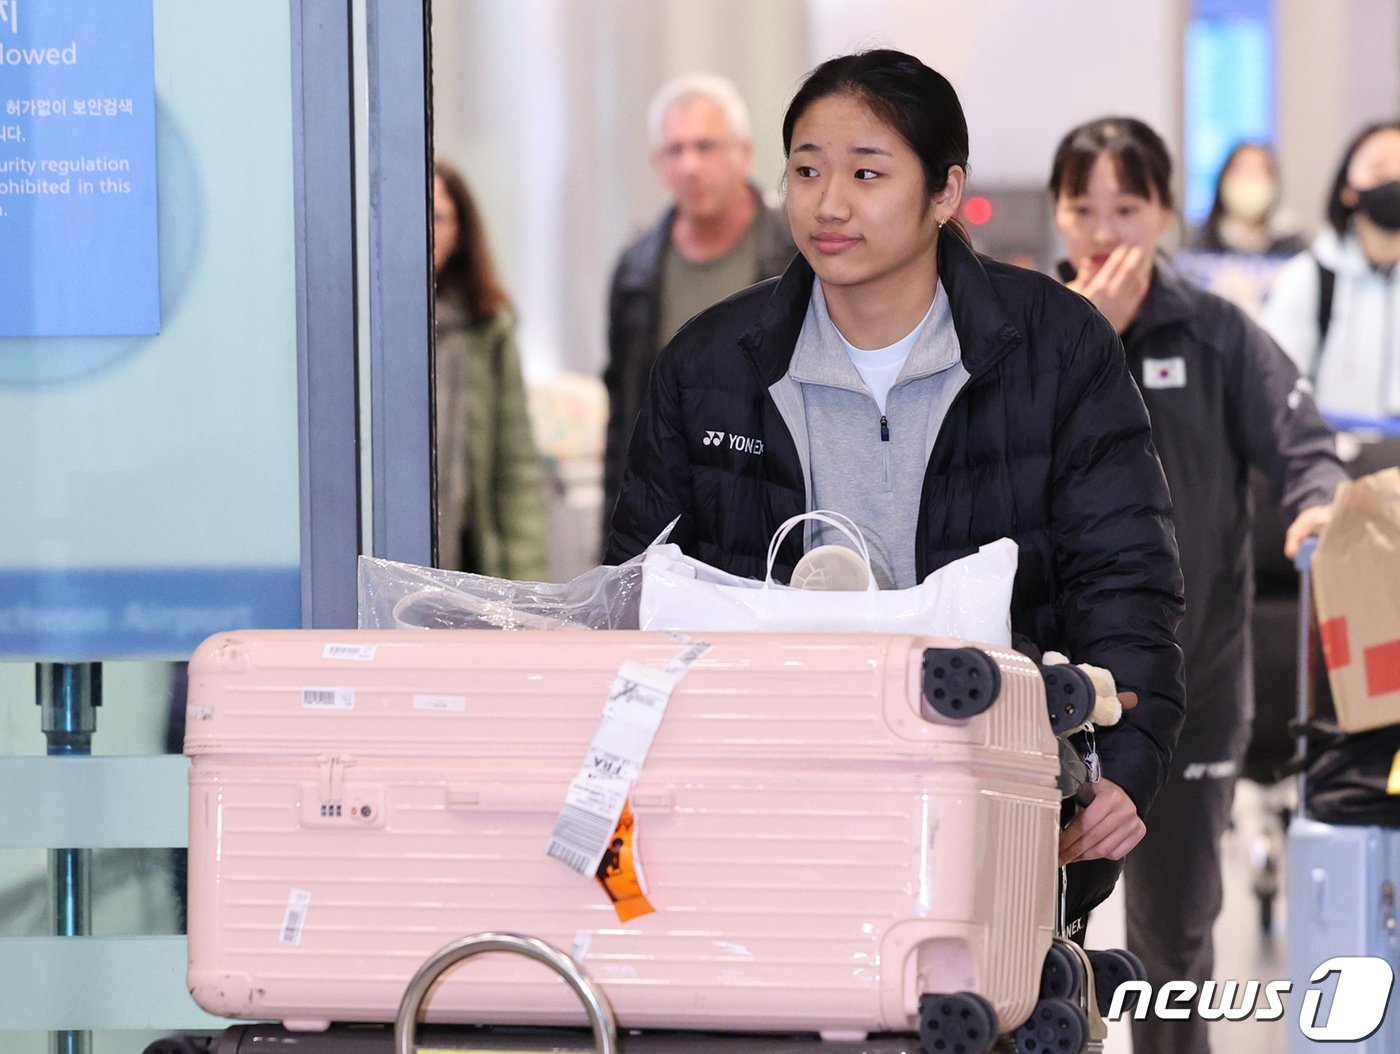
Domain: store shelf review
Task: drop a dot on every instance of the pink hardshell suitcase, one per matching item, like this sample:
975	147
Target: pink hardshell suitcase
826	840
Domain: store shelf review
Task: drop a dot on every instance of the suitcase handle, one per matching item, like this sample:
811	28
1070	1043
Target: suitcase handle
504	797
594	999
653	799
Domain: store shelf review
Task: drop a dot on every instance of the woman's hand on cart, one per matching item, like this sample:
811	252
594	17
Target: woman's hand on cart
1106	830
1309	522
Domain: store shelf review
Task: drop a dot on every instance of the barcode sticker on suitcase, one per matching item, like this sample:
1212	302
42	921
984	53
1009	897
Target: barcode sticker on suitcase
351	652
328	698
593	805
295	918
586	823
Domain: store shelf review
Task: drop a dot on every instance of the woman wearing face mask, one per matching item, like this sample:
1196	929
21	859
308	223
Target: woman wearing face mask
1336	308
938	399
1222	397
1243	217
490	482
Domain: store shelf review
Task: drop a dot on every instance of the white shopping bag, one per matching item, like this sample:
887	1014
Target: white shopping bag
969	598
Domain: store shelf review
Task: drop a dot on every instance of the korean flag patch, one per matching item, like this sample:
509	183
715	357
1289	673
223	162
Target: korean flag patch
1164	373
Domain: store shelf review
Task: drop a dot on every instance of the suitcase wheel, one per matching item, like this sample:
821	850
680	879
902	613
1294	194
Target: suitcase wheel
1063	976
960	682
1056	1026
1112	968
963	1023
1069	697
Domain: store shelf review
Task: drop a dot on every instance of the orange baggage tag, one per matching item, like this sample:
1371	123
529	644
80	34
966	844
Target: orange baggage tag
621	873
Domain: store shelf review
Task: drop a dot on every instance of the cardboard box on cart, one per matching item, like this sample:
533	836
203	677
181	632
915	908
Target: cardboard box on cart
1356	575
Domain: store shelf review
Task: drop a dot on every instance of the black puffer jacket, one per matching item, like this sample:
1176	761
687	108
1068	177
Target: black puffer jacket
1223	397
1047	444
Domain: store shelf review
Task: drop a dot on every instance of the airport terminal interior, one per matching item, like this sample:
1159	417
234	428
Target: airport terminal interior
285	284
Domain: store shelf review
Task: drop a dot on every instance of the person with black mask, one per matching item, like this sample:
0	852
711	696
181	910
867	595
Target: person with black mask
1336	308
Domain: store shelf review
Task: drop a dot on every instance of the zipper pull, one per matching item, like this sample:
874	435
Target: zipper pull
885	450
1092	758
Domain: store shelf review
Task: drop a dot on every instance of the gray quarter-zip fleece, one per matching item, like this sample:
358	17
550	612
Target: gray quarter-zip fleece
853	463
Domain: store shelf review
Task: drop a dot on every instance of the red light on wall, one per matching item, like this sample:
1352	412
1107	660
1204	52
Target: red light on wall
978	210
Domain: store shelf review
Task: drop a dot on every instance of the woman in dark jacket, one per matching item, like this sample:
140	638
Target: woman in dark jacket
941	401
1222	398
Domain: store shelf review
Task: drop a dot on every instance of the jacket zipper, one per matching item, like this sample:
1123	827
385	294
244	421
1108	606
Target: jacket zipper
885	445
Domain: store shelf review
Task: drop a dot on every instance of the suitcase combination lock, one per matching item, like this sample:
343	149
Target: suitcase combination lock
333	801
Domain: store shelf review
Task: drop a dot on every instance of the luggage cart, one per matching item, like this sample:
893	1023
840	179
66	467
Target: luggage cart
1340	879
1365	446
1071	978
1076	989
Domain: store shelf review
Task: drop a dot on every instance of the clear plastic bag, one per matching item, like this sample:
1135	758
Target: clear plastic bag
394	595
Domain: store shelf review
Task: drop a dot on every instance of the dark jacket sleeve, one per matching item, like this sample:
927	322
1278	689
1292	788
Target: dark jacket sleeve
1120	578
656	485
1277	421
615	380
775	245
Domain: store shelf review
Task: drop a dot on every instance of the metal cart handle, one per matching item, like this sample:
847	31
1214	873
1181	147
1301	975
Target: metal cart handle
595	1002
1303	562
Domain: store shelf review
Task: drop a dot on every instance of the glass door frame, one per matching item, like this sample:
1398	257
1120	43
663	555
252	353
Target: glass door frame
397	125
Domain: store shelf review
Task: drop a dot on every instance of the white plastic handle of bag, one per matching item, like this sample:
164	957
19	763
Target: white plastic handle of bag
842	523
494	611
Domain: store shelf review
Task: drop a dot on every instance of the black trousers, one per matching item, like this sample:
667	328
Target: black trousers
1173	889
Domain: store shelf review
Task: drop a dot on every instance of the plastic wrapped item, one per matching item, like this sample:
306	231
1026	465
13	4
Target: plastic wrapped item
395	595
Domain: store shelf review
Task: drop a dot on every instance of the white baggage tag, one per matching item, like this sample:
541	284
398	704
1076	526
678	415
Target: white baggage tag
593	805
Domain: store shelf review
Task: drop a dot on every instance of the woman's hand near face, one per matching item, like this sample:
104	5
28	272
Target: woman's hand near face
1117	288
1106	830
